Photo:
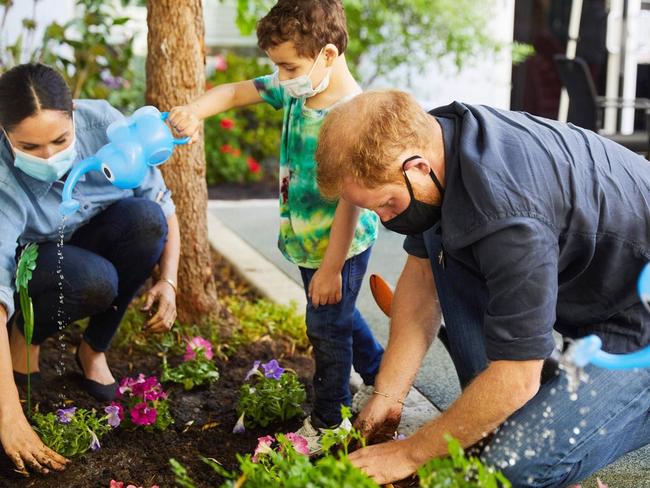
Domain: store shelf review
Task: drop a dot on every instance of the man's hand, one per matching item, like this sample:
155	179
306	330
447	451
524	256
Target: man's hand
325	287
379	419
387	462
25	449
164	295
185	121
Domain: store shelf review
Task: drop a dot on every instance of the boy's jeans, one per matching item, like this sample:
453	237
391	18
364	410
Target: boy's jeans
104	264
341	338
555	439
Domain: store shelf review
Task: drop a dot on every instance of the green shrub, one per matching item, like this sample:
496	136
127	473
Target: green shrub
239	141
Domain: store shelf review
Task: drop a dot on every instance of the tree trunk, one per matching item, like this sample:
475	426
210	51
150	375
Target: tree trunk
175	75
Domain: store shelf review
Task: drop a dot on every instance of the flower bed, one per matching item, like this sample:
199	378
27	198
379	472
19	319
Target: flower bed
137	454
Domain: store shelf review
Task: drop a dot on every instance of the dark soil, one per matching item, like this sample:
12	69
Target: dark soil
203	418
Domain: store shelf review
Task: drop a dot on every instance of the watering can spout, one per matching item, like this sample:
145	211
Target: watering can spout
69	205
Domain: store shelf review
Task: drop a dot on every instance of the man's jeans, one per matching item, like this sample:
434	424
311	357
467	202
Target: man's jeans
340	338
556	439
104	264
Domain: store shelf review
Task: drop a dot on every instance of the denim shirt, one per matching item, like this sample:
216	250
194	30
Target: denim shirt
29	208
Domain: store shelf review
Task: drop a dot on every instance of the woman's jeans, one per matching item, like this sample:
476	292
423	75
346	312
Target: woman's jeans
104	264
556	439
340	338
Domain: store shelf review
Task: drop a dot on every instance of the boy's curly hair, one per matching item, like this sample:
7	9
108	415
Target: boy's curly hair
310	24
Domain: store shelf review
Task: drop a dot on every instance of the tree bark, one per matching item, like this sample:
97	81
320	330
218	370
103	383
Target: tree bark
175	75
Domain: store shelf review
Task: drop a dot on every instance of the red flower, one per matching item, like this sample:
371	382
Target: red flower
226	149
253	165
227	124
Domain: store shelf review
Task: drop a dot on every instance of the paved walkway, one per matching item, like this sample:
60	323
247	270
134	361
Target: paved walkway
245	232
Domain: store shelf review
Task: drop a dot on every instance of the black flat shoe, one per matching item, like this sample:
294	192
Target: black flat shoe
21	378
103	393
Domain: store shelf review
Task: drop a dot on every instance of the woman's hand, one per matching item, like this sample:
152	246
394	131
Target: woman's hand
325	287
185	121
163	295
25	448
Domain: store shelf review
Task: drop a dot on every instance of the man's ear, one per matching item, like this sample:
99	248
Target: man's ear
331	52
419	164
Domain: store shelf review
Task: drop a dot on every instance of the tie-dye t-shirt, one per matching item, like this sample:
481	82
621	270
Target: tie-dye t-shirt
305	217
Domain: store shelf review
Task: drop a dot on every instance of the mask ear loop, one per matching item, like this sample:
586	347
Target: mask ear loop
433	176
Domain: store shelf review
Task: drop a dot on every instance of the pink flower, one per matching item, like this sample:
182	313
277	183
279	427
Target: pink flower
227	124
253	166
198	345
220	63
142	414
148	384
263	446
116	484
299	443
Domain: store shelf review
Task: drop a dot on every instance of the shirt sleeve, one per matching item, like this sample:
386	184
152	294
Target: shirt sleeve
154	188
12	222
270	90
520	266
414	245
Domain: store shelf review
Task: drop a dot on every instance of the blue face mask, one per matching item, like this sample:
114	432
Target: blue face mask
45	169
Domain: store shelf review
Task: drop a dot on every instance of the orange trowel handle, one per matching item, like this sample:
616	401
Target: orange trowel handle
382	292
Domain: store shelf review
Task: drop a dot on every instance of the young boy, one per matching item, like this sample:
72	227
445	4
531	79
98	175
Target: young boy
329	241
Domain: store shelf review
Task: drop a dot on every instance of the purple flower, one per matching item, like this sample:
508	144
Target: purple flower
113	412
253	370
198	345
239	426
272	369
65	414
94	443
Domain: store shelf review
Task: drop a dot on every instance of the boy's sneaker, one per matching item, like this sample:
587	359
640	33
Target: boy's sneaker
313	436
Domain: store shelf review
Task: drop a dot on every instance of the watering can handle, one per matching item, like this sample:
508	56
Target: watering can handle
184	140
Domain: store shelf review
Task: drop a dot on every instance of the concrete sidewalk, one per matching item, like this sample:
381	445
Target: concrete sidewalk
245	233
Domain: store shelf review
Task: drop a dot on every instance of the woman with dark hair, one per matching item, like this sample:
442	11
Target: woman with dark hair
111	244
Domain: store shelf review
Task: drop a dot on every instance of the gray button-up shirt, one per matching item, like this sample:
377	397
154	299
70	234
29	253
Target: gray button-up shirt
555	220
29	208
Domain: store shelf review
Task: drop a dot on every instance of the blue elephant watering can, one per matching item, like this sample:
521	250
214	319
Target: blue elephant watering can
135	143
588	349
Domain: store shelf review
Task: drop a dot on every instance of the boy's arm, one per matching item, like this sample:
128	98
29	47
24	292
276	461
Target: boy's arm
186	119
325	286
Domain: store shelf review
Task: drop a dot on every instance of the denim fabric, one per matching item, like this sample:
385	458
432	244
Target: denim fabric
104	264
29	208
341	339
556	439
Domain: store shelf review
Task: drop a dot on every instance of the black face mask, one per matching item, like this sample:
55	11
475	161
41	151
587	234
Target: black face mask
418	216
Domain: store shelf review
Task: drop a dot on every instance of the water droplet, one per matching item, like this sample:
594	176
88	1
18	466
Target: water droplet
576	431
573	397
572	440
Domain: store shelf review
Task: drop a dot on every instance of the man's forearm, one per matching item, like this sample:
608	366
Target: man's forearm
485	404
415	319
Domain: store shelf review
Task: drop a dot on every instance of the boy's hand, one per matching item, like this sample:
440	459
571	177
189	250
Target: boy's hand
185	121
325	287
